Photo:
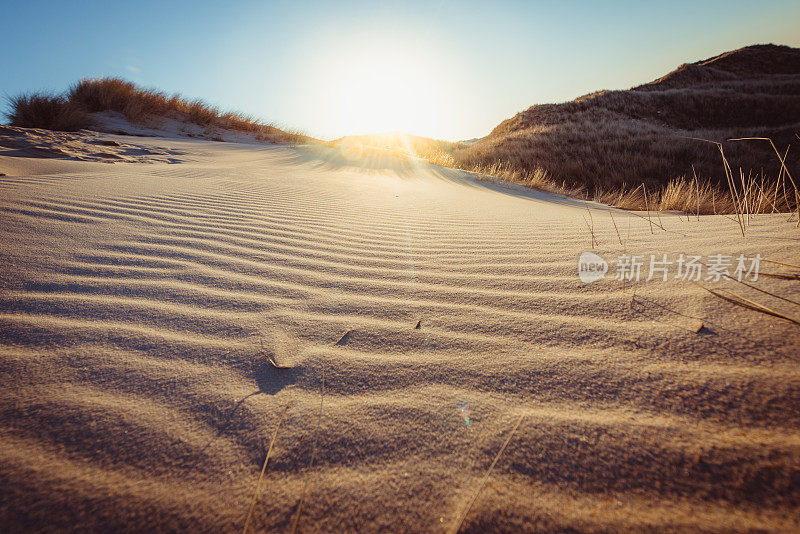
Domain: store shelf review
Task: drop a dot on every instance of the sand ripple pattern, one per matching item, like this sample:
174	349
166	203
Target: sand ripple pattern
140	306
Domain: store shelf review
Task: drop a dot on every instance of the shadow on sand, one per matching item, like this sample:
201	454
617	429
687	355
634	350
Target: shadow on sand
269	379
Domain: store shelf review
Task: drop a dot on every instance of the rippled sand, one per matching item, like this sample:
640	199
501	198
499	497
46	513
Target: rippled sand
144	308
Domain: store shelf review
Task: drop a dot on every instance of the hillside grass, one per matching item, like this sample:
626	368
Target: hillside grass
744	192
71	110
752	192
613	139
622	146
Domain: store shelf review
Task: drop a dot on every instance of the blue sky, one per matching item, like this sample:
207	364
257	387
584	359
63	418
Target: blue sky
444	69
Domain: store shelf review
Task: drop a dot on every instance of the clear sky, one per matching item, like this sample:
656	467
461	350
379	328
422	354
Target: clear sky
440	68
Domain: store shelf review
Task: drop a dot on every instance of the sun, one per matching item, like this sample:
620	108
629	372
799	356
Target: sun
382	87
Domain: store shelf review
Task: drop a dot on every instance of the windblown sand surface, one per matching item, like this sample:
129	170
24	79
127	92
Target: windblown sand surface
140	305
78	146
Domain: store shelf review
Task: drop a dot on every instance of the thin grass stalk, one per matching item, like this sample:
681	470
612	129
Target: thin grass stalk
647	205
464	514
263	470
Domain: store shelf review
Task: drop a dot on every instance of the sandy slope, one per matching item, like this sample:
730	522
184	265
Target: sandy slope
138	303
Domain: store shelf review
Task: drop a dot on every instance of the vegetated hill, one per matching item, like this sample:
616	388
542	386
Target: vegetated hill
119	106
610	138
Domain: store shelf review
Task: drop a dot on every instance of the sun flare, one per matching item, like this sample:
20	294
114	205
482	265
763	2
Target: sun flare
384	88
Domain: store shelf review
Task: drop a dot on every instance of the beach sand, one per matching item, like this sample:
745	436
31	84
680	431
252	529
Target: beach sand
159	318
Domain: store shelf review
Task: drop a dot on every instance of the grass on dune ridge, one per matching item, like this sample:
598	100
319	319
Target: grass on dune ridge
71	110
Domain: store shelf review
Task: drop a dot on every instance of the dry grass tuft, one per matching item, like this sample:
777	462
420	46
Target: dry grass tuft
47	111
747	194
692	196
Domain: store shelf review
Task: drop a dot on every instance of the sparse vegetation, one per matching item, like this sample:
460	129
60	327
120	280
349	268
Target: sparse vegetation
70	111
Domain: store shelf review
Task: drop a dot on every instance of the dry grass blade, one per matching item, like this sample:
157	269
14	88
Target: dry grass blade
261	476
271	360
275	364
296	521
750	305
697	190
591	227
737	201
784	168
781	263
781	159
650	220
782	276
647	206
754	288
463	514
615	226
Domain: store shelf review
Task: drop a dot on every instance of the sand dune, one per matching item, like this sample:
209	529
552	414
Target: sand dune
143	307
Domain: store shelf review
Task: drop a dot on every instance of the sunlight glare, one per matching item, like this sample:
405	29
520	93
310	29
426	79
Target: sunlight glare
383	88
